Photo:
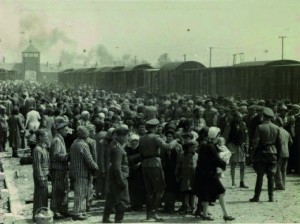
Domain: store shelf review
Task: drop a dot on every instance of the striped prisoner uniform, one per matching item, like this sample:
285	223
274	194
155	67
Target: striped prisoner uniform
41	166
59	175
81	167
92	147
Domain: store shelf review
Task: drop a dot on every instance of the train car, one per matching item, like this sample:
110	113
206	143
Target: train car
90	77
148	81
99	75
111	80
3	74
131	77
172	76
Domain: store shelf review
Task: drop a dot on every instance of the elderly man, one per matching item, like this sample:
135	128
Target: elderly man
150	149
267	145
59	169
118	196
82	165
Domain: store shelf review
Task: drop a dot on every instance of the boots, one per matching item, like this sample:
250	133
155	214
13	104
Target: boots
242	185
106	215
120	210
153	217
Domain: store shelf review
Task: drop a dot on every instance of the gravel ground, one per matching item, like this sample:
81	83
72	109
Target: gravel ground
286	208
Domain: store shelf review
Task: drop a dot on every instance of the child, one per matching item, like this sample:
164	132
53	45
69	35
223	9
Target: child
224	154
185	172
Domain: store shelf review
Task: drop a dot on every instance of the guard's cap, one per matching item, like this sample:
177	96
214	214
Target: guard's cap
268	112
152	122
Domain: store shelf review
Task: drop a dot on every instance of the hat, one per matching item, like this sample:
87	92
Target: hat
122	130
102	115
213	132
82	132
152	122
134	137
283	107
59	123
110	133
85	112
90	127
268	112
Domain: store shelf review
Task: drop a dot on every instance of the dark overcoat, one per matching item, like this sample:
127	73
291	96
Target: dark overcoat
207	185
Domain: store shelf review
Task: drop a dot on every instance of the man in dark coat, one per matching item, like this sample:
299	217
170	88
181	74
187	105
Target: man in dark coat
150	149
267	150
118	195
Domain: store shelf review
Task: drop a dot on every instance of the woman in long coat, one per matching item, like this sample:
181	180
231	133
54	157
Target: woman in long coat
208	186
136	186
16	127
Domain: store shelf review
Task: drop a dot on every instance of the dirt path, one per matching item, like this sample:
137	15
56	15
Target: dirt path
286	208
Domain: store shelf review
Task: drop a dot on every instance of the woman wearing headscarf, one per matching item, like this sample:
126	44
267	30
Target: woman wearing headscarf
208	186
135	179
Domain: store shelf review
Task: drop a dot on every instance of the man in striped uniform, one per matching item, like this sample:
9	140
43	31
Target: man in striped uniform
59	169
41	166
92	147
82	166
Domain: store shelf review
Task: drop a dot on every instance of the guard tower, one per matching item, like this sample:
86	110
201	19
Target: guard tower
31	62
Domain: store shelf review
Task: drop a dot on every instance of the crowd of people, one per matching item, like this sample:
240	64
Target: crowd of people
135	149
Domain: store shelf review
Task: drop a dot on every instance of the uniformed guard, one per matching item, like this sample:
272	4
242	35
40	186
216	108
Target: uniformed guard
267	150
150	148
118	195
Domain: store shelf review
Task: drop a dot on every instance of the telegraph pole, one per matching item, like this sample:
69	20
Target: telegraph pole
134	60
282	45
233	63
184	57
210	51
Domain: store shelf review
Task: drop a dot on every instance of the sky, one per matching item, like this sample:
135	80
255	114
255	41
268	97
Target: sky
116	32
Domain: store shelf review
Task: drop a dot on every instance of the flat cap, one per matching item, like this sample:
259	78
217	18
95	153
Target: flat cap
152	122
122	130
60	122
268	112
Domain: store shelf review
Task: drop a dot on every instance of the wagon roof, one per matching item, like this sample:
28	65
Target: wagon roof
181	65
137	67
266	63
84	69
109	69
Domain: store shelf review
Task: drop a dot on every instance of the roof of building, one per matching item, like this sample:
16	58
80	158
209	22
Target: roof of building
7	66
31	49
